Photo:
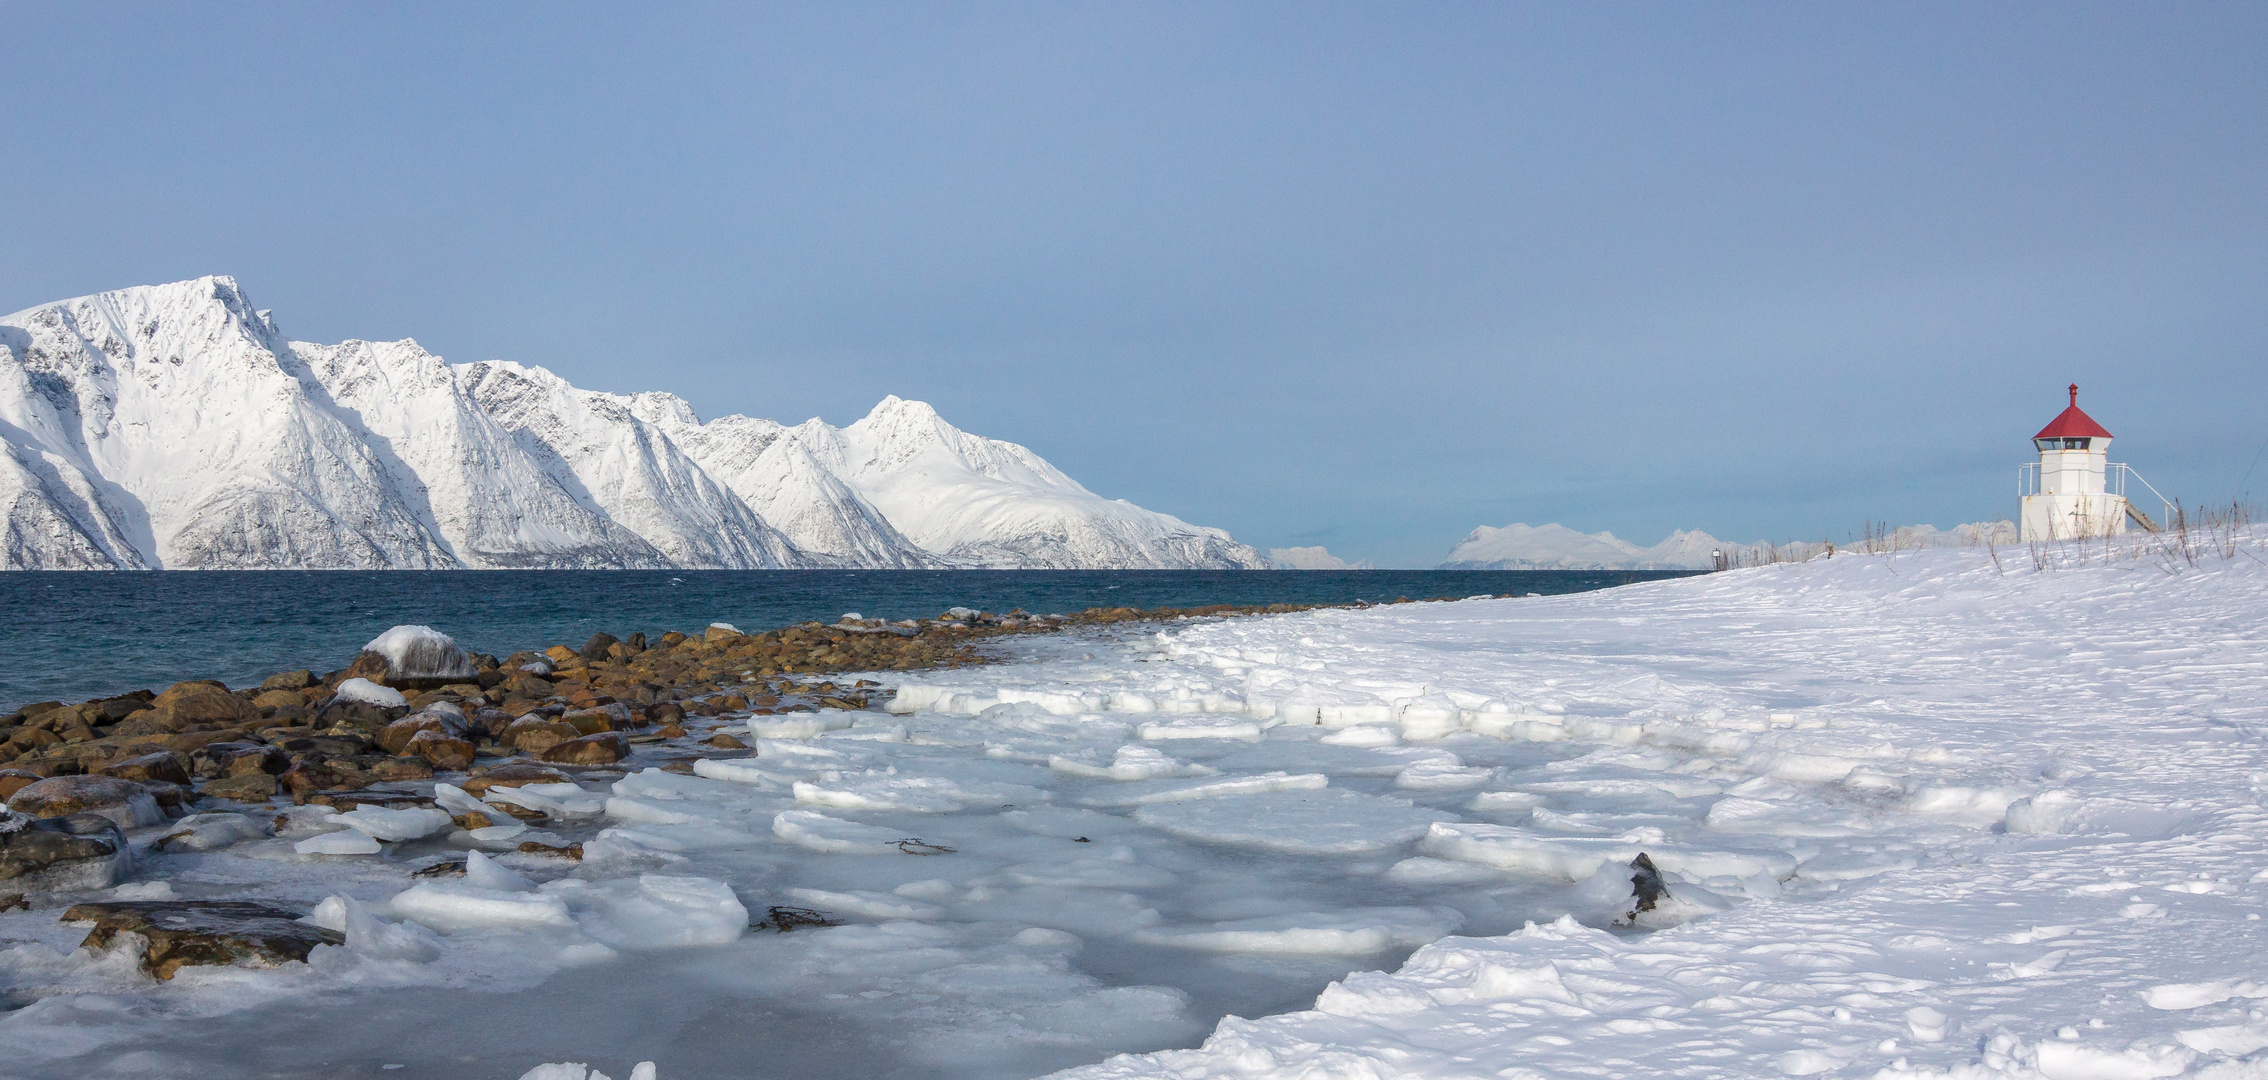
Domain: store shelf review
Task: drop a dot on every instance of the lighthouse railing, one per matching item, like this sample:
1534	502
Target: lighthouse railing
2115	482
2027	479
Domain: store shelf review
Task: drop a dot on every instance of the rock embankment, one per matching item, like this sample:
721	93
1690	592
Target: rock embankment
415	705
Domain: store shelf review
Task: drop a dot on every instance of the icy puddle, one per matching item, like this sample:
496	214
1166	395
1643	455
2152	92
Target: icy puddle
1055	862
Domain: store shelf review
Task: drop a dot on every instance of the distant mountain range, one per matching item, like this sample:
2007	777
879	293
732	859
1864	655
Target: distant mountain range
173	426
1557	547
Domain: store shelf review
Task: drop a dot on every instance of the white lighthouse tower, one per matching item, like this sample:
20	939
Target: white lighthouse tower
2075	491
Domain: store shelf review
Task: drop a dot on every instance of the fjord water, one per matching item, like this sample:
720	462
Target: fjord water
72	636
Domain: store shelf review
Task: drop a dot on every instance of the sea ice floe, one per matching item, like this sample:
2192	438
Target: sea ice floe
1574	858
1145	793
1350	932
1131	762
407	823
340	842
834	836
452	907
1322	821
864	904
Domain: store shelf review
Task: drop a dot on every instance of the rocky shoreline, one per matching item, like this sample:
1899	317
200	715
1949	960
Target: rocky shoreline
417	725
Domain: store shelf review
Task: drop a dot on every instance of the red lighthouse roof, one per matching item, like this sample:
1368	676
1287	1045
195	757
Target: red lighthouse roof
2071	423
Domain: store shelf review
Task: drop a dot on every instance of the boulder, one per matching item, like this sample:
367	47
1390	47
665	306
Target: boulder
237	759
182	933
413	658
277	699
163	765
402	768
204	706
589	721
310	775
443	750
594	650
604	748
124	802
71	853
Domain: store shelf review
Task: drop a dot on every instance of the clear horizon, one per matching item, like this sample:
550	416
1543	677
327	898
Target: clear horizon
1321	276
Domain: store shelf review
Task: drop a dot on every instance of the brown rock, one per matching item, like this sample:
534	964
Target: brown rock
671	731
716	634
511	775
310	775
205	707
595	649
560	655
588	721
69	853
666	712
536	735
15	780
148	722
289	680
442	749
723	741
182	689
472	820
44	767
276	699
394	738
402	768
604	748
163	765
182	933
248	787
571	851
125	802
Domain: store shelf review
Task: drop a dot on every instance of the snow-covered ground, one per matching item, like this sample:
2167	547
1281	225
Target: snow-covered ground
1919	816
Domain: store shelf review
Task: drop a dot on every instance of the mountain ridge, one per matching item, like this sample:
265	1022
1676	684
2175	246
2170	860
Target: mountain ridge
174	426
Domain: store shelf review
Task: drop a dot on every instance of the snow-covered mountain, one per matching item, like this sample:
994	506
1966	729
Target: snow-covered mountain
1557	547
174	426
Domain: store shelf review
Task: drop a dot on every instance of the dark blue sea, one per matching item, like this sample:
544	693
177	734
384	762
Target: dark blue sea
73	636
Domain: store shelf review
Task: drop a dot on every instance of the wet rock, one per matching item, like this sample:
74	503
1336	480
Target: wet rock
14	902
128	804
355	715
589	721
276	699
182	933
605	748
164	766
443	750
289	680
61	854
312	775
511	775
248	788
723	741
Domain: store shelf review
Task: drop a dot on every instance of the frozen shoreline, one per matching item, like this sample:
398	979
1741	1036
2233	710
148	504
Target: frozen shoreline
1863	760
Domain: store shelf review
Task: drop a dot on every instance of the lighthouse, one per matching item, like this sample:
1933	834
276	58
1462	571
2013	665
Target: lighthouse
2075	490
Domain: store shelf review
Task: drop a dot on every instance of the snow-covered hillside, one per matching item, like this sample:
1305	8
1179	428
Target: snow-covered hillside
174	426
1557	547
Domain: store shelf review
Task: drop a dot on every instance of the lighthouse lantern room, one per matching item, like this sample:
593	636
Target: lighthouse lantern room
2075	490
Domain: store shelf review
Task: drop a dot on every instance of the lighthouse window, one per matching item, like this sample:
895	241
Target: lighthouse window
2075	444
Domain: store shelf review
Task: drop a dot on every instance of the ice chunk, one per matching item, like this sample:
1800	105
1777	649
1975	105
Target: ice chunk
342	842
370	693
205	832
450	906
870	905
818	832
1204	727
1363	735
1315	822
1145	793
1574	858
576	1070
1131	763
1355	932
407	823
1441	776
740	771
877	789
655	911
482	872
797	725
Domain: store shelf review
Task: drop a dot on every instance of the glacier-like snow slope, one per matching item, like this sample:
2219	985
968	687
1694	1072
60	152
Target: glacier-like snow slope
173	426
1920	816
1556	547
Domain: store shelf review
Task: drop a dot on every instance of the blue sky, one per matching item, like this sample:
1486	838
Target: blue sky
1360	276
